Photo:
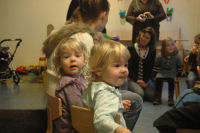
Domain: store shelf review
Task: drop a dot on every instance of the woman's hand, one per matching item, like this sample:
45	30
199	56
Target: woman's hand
141	18
142	83
120	129
127	104
149	15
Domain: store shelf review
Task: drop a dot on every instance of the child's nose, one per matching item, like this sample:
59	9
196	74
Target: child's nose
124	69
73	58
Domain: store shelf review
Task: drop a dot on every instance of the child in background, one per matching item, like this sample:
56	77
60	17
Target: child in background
108	65
194	61
167	66
69	60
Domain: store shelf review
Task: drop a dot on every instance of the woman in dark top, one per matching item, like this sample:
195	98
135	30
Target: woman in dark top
140	66
145	13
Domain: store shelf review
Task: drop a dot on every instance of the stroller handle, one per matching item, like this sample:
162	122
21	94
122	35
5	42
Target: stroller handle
17	39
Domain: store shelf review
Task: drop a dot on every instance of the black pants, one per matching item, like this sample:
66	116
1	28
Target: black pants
159	85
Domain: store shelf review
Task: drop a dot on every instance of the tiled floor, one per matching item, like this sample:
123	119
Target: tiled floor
32	96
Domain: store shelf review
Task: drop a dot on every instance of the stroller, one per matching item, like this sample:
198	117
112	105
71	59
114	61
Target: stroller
6	57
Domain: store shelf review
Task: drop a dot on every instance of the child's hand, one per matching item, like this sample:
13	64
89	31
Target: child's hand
127	104
186	59
120	129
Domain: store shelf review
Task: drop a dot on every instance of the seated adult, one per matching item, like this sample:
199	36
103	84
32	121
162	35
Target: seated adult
141	63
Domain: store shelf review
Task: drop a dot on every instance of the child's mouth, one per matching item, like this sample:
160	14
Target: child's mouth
73	66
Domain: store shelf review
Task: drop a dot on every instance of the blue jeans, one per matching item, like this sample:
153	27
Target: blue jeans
191	78
132	115
146	93
187	96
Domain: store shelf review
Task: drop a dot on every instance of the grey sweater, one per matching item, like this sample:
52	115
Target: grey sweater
168	67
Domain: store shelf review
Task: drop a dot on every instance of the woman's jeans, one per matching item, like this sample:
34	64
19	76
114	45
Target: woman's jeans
146	93
132	115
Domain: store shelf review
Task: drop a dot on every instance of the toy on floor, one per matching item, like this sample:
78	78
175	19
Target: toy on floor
6	57
106	36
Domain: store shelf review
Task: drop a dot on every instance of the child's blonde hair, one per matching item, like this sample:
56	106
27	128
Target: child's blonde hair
67	45
164	44
101	55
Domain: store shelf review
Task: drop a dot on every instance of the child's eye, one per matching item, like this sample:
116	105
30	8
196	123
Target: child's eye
66	56
78	55
116	65
126	65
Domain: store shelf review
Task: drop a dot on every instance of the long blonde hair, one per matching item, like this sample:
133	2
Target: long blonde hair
67	45
102	53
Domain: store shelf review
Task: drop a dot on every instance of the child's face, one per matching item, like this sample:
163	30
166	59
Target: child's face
170	47
145	39
115	73
72	62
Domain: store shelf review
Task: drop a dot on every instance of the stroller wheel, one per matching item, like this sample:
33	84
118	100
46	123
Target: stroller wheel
16	77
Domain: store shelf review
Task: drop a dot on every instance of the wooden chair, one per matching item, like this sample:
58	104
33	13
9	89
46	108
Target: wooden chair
54	110
82	119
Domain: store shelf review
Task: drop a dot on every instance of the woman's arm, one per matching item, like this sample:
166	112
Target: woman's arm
161	15
130	17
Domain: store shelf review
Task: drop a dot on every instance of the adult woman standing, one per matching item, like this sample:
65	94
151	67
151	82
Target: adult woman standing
93	16
141	63
145	13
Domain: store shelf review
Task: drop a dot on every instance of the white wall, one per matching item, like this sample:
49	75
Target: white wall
27	19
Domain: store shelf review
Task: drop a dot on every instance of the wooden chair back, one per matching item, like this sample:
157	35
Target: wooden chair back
54	110
82	119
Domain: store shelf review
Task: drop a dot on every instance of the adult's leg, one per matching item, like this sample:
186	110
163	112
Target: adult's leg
132	115
134	87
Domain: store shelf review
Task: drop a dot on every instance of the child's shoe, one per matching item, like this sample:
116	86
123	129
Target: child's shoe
156	101
170	102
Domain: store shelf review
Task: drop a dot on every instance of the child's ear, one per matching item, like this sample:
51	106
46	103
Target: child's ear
103	15
98	73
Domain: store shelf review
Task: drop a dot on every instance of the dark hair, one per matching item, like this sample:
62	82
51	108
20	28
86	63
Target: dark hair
164	44
91	9
152	33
